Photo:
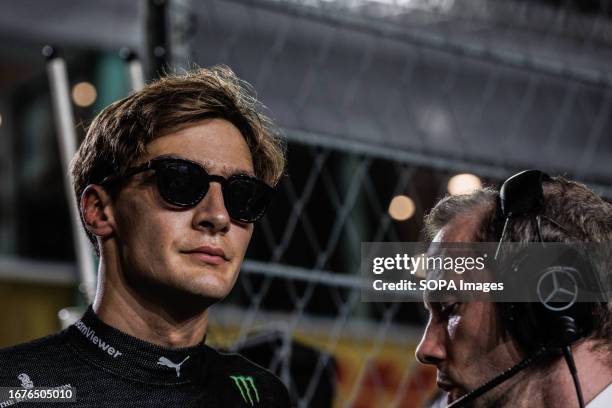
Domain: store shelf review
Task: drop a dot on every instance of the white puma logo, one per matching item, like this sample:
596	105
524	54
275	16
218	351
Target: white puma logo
165	362
25	381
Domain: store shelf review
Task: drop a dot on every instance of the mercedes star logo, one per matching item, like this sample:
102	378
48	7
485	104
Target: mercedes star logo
557	288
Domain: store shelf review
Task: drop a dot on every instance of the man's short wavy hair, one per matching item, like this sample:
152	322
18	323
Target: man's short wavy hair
118	136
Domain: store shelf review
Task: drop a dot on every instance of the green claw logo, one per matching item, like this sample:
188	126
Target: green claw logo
245	386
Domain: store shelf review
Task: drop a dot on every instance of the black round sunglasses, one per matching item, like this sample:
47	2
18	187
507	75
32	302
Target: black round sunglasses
184	183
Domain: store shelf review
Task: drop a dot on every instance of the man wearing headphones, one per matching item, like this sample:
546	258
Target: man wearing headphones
482	360
169	182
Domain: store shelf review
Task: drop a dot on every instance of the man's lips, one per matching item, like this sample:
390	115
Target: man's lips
448	387
208	254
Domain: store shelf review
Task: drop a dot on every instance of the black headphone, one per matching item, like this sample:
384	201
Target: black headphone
550	322
559	322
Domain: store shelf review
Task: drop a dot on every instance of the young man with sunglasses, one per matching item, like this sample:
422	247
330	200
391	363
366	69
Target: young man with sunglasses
522	354
169	182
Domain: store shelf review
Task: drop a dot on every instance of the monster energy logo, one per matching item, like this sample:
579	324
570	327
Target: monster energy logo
245	385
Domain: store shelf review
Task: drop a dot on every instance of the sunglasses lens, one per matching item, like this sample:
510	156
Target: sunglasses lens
246	199
182	184
185	184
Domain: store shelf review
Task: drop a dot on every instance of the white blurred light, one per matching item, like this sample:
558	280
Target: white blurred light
84	94
463	183
401	208
0	120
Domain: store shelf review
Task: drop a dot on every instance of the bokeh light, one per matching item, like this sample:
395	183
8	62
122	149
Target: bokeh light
401	208
84	94
463	183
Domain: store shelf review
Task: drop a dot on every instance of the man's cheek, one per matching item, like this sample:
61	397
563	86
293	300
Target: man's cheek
241	240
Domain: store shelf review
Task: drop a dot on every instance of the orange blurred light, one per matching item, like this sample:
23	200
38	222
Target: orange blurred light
401	208
84	94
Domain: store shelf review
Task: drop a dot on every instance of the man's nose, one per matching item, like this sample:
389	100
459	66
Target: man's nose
431	349
210	213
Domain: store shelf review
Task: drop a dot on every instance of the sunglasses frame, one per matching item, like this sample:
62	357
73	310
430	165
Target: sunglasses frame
157	164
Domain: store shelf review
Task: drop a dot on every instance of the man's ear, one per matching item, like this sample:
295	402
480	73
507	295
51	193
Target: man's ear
97	211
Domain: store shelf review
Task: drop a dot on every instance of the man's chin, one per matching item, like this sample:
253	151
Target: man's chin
211	287
196	294
197	300
209	281
454	395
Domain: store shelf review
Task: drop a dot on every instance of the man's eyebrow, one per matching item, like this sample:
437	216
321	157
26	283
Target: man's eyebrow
429	306
432	307
226	171
229	171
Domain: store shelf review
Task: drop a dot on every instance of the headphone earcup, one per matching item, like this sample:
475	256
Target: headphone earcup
536	324
522	325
